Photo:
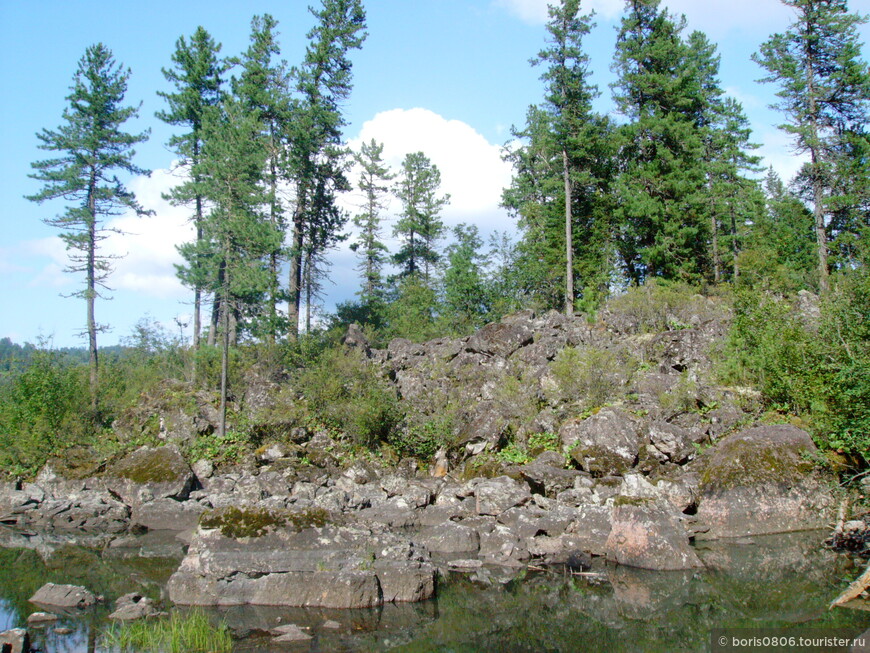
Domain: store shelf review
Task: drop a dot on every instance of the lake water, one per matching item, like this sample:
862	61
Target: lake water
784	581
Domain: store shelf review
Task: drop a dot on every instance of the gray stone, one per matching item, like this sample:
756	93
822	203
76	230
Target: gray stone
151	473
16	640
131	607
168	514
494	496
289	633
760	481
603	444
42	618
672	442
450	537
63	596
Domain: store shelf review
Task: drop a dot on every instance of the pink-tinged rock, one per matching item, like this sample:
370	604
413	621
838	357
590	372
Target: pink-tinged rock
647	533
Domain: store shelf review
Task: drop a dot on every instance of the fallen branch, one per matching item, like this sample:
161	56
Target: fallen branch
854	590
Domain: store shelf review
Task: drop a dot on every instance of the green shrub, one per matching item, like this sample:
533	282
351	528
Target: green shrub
349	394
821	372
656	306
423	437
588	377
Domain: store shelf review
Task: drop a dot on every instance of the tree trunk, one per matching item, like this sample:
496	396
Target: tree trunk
225	354
197	291
294	287
91	294
735	244
815	161
569	238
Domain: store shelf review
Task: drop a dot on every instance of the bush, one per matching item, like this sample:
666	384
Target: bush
656	306
821	372
43	408
347	393
589	377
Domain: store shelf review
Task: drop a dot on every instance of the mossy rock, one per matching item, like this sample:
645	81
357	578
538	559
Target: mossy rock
766	455
163	469
239	523
76	463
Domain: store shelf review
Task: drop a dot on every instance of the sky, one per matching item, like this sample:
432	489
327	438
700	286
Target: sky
446	77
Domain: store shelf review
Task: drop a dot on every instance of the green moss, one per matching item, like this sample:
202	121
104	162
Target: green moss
744	463
255	522
153	466
622	500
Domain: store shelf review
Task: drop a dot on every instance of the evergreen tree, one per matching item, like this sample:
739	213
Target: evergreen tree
420	226
241	237
465	296
264	87
663	231
824	90
573	125
373	182
91	148
779	251
315	161
197	78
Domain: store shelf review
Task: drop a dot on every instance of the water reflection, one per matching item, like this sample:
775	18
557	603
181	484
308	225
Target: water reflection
783	581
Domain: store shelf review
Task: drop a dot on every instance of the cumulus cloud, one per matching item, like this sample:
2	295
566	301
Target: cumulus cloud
777	150
472	170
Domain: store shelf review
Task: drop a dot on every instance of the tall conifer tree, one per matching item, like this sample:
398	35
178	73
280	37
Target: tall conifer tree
824	91
197	77
91	149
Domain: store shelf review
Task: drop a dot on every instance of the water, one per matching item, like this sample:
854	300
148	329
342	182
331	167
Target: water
784	581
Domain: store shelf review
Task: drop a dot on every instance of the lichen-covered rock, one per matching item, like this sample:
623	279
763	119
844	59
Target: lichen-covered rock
150	473
646	533
604	444
761	480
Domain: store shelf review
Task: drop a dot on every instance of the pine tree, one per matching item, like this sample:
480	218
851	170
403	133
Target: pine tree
420	226
465	296
373	182
315	161
264	87
824	90
241	237
663	230
569	97
92	149
197	77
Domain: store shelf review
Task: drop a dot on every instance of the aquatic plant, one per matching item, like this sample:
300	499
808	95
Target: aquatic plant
189	632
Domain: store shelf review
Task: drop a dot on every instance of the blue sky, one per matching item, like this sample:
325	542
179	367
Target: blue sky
448	77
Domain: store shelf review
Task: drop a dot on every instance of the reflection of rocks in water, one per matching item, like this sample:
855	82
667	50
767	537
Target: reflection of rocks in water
46	543
783	574
397	622
153	544
643	594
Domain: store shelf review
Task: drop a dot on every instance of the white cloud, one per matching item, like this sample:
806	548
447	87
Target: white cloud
472	170
145	247
777	150
534	12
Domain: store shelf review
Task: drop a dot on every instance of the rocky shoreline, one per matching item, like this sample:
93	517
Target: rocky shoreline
663	458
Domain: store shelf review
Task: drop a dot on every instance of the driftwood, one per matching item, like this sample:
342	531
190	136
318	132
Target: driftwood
854	590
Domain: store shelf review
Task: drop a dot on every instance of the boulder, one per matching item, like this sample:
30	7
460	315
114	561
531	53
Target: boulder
548	479
591	526
671	442
501	338
450	537
16	640
604	444
168	515
326	566
761	481
63	596
494	496
131	607
647	533
150	473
